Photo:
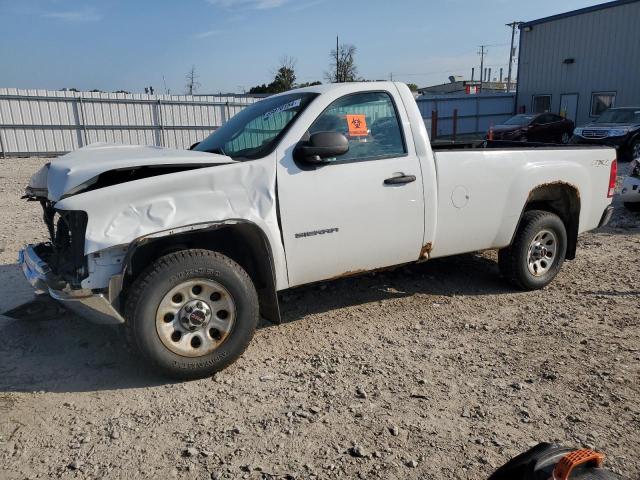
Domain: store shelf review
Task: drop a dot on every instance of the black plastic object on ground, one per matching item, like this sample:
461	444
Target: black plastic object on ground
539	463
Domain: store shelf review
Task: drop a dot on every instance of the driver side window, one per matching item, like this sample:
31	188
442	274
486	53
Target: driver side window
370	123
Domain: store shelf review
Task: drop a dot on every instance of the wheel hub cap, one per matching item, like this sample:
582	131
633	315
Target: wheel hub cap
195	317
542	252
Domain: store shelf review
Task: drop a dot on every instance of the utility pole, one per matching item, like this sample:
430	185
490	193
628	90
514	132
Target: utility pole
482	53
513	26
337	59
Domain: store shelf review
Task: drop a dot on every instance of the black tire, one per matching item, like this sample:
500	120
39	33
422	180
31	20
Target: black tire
514	260
632	206
634	150
169	272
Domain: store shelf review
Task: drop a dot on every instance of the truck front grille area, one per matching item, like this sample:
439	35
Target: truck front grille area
67	230
594	133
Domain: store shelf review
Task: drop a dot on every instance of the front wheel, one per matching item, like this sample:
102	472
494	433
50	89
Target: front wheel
191	313
536	255
565	138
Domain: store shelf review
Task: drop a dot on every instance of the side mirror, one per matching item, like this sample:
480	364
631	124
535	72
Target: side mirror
320	147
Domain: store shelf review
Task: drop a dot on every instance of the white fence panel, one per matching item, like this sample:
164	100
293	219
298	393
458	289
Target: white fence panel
476	113
43	122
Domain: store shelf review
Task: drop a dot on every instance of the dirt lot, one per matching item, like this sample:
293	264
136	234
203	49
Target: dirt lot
435	371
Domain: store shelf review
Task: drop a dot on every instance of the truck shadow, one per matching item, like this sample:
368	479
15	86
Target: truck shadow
46	348
470	274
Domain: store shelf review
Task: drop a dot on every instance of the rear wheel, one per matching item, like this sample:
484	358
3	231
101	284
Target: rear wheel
565	138
191	313
537	252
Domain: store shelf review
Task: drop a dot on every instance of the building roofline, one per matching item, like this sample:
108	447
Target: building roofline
580	11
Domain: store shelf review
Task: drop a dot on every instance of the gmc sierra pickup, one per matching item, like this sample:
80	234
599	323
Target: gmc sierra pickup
187	248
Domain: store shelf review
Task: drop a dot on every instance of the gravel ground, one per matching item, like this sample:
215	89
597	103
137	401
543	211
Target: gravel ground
436	371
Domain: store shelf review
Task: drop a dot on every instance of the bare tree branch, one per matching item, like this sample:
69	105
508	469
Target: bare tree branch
192	81
343	66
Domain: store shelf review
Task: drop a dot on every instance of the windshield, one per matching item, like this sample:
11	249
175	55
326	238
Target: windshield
255	131
519	120
630	115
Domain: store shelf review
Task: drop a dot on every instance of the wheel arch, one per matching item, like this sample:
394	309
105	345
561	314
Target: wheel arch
242	241
562	199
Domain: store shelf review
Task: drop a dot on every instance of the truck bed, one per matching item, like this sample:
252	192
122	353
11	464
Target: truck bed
481	191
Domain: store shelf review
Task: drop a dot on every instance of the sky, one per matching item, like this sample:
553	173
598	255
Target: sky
235	44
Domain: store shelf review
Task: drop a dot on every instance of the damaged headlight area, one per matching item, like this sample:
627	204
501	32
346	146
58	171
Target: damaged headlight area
64	253
37	188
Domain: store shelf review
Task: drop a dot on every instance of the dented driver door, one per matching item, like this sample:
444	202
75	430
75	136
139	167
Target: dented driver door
359	211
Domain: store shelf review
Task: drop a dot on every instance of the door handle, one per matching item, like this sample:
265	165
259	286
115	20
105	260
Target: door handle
402	179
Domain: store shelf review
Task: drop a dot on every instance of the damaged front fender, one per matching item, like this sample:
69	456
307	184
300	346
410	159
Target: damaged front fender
244	191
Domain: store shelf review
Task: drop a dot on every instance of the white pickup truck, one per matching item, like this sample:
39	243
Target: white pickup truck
187	248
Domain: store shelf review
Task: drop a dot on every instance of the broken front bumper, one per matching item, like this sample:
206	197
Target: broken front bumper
86	303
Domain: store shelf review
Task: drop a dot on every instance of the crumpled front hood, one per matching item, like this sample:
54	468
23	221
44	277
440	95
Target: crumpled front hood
70	172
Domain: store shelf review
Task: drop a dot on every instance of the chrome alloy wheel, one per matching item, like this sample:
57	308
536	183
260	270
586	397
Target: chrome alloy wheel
542	252
565	138
195	317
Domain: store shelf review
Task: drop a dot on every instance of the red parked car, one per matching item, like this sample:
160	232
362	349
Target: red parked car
535	127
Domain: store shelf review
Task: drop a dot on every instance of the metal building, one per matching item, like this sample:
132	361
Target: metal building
582	62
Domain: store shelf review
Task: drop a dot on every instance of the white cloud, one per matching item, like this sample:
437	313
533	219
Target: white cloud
87	15
208	33
251	4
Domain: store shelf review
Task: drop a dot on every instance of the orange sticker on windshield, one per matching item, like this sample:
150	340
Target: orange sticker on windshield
357	125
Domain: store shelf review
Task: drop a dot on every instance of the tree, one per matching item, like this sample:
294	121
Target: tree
261	89
192	81
308	84
413	87
343	65
285	77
